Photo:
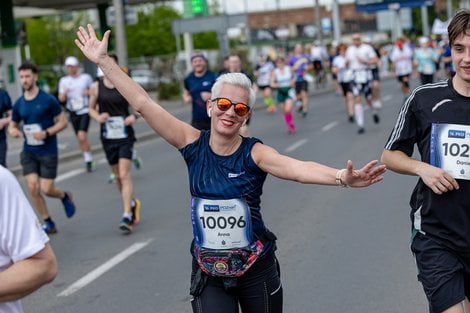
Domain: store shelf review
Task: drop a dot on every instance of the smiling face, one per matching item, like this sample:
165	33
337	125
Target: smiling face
199	65
461	58
228	123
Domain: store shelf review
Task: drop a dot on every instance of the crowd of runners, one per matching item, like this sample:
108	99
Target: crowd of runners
244	271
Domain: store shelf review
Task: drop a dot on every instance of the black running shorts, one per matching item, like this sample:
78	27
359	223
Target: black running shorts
116	150
44	166
79	122
443	272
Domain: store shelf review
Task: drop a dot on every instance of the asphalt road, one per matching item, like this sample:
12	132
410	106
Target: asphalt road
340	250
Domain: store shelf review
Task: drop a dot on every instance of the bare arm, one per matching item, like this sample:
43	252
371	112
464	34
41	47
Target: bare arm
273	83
62	97
187	96
435	178
24	277
14	130
60	124
174	131
93	105
274	163
5	120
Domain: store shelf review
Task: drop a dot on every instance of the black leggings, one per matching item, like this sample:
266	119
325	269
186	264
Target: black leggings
259	290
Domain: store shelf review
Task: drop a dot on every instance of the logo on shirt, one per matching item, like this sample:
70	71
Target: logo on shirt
211	208
205	83
453	133
235	175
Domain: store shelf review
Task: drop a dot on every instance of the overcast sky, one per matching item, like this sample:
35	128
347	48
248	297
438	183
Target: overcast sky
238	6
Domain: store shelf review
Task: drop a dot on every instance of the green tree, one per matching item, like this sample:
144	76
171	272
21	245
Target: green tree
152	34
205	41
51	38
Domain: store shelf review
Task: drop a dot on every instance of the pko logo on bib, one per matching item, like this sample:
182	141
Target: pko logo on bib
211	208
453	133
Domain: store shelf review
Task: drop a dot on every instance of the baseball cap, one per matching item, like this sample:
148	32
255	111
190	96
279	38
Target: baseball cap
198	55
423	40
71	61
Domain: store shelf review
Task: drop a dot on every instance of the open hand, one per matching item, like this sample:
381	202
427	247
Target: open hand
92	48
370	174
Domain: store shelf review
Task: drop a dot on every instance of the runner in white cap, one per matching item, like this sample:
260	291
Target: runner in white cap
73	89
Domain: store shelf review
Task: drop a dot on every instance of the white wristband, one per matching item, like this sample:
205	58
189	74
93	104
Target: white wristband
339	182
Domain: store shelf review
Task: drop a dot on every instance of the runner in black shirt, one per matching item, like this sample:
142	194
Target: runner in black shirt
109	108
437	118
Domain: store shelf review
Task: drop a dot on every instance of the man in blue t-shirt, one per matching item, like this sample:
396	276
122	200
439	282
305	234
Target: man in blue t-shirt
42	118
197	90
5	115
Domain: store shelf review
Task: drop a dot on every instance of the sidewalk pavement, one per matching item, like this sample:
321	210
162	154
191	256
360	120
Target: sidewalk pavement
68	147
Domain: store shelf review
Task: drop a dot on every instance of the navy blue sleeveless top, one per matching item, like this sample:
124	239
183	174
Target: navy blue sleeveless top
212	176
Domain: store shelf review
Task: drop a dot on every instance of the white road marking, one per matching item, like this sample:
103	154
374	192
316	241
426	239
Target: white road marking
296	145
90	277
329	126
69	174
387	97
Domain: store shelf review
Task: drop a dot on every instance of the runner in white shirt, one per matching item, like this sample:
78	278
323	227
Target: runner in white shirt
319	58
359	57
283	80
26	259
263	72
344	76
402	58
74	89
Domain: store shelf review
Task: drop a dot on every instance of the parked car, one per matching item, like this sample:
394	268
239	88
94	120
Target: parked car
146	78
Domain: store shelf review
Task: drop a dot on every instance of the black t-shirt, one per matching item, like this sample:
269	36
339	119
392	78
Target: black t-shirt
445	217
112	102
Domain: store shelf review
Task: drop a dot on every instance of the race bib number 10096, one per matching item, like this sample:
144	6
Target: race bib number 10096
221	224
450	149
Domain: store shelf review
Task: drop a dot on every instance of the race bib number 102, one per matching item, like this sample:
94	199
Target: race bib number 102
450	149
221	224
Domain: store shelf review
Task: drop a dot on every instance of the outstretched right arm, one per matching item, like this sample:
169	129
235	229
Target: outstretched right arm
174	131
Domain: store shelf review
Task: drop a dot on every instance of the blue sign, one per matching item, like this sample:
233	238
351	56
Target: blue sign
380	5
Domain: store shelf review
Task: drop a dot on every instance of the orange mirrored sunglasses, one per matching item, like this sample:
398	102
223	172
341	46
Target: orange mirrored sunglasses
223	104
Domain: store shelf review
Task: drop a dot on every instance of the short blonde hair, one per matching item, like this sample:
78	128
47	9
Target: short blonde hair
235	79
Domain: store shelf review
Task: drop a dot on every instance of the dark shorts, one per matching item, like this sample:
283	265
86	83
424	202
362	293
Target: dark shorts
79	122
45	166
403	78
114	151
201	124
3	152
375	74
359	88
444	273
346	88
317	65
426	79
263	87
283	94
301	86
